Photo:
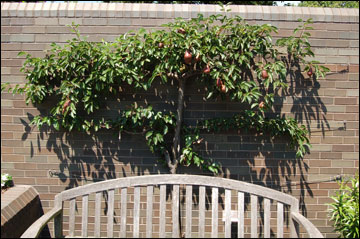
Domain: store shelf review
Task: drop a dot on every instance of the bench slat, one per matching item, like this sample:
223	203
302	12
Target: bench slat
280	219
84	219
227	213
214	207
241	214
123	212
110	214
254	201
267	218
97	213
188	218
136	211
175	211
72	217
202	211
162	210
149	210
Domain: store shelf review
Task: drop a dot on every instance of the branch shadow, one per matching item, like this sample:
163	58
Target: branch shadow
84	159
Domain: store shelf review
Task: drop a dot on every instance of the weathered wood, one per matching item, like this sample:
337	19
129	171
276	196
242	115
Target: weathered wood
214	208
280	220
175	180
35	229
266	218
241	207
170	179
84	218
202	211
294	226
72	217
97	213
254	202
162	210
123	212
188	217
175	211
136	212
149	210
312	231
227	213
110	214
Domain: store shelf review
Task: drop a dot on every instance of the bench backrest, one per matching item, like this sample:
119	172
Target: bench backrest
204	183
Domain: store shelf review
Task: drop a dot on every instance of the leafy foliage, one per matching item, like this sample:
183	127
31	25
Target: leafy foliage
6	180
271	3
345	208
231	58
332	4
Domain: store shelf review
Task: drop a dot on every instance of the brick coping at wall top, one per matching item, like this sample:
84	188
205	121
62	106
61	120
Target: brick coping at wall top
15	199
136	10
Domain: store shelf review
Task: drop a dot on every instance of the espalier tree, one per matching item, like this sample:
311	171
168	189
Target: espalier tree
228	57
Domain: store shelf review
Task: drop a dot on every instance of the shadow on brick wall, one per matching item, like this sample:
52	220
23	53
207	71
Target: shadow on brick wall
85	159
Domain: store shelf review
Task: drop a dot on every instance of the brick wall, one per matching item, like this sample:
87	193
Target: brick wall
328	107
20	208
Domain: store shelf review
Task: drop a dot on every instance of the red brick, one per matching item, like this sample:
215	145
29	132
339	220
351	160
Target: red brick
12	158
343	148
345	116
345	101
331	185
7	135
320	163
354	68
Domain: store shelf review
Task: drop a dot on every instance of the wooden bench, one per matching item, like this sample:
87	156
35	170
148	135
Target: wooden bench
242	191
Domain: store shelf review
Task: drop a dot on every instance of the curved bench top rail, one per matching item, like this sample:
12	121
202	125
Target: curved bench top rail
179	179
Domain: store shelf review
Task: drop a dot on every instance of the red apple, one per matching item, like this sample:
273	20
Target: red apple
262	104
310	72
187	57
66	104
223	89
181	30
206	69
161	45
264	74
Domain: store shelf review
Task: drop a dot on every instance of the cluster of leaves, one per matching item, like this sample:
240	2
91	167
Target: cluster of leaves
155	125
299	47
189	156
332	4
6	180
82	75
345	208
250	120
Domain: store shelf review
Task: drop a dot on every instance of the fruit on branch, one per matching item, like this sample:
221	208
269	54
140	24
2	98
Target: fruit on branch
66	104
218	82
181	30
223	88
310	72
161	45
206	69
264	74
261	105
187	57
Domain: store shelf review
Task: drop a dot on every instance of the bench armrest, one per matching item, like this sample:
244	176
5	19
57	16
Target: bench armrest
309	227
34	230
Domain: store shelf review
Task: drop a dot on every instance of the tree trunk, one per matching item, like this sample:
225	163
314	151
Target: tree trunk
177	137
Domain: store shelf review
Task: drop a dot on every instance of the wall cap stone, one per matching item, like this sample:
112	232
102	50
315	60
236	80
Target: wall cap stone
15	199
135	10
